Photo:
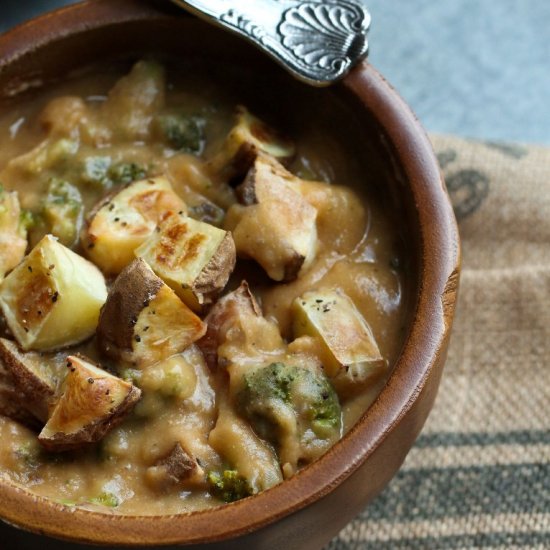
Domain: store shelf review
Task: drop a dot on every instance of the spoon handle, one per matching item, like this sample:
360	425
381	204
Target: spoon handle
317	41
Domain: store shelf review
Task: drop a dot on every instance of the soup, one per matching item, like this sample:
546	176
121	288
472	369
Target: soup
197	302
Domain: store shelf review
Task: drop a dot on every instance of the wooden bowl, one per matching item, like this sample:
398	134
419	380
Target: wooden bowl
308	510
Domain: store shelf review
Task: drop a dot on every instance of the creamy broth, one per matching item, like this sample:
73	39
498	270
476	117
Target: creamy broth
63	133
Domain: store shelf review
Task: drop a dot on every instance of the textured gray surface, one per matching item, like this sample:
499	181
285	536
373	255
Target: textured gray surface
477	68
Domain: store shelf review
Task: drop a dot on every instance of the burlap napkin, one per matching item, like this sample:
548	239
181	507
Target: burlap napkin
479	475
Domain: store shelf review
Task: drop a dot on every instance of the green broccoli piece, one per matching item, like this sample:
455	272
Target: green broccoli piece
95	172
27	220
182	132
123	173
63	211
228	485
274	394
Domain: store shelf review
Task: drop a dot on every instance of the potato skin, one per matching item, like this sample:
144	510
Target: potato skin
93	432
177	468
37	388
132	290
273	224
13	402
217	271
93	392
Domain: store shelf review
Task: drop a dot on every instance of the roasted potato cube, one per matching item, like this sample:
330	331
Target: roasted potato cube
52	299
194	258
92	403
143	320
178	468
348	350
246	139
125	220
274	225
13	235
38	375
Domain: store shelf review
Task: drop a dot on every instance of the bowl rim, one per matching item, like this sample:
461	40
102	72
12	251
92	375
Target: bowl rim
431	322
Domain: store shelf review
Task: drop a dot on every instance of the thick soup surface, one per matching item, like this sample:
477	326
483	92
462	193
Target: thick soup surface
196	302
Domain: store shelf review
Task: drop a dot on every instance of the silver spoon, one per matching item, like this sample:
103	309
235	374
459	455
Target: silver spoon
317	41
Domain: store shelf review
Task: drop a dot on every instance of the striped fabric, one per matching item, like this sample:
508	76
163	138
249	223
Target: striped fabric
479	475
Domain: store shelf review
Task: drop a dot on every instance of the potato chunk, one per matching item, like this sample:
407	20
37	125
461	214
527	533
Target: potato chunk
38	375
143	320
134	100
52	299
124	221
13	236
276	226
92	403
246	139
348	350
178	468
192	257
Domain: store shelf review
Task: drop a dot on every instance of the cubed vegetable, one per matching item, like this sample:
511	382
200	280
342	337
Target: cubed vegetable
13	401
52	299
134	100
143	320
274	225
63	211
348	350
248	137
294	408
92	403
123	221
37	375
252	462
181	131
194	258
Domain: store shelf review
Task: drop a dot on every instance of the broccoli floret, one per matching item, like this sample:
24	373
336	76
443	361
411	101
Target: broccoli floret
287	403
63	210
94	172
228	485
182	132
101	173
126	172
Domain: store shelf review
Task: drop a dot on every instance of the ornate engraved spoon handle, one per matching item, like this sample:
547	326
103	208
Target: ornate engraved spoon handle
316	40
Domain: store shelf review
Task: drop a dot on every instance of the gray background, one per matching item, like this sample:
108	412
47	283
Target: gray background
476	68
